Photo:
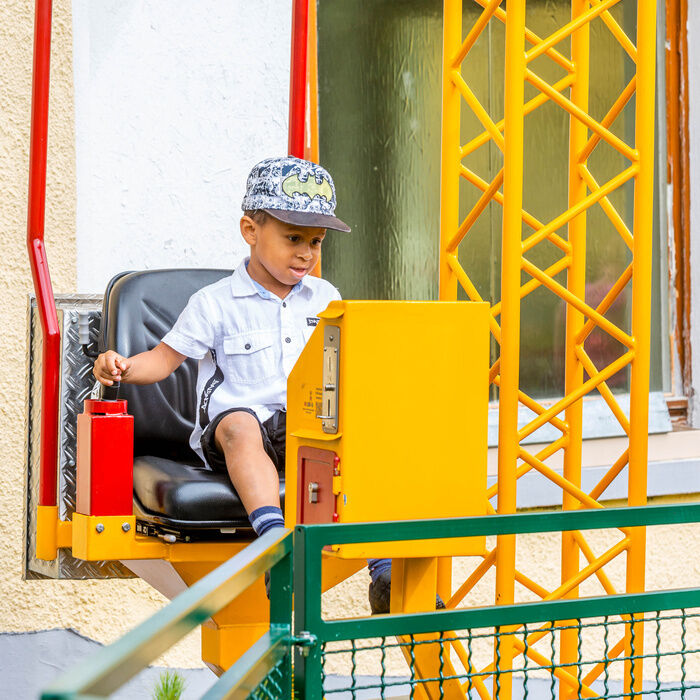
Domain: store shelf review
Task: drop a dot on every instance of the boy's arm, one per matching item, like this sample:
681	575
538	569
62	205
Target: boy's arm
144	368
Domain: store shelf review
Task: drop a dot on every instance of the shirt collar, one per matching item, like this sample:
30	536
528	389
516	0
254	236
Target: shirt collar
243	285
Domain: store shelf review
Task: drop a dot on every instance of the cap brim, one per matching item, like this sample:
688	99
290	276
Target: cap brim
306	218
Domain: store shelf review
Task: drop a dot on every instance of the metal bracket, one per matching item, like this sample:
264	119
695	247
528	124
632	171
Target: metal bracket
305	640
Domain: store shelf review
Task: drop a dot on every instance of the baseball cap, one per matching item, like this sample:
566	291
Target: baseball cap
295	191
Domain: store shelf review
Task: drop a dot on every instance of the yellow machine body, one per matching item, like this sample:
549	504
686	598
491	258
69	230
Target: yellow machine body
387	413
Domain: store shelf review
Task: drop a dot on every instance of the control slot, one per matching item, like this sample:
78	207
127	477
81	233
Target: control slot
331	367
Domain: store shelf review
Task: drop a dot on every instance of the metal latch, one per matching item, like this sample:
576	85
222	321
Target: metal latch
313	492
305	640
331	351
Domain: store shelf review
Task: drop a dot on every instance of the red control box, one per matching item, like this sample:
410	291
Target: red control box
104	473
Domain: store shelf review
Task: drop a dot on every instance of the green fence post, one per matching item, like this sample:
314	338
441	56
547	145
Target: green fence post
281	593
307	618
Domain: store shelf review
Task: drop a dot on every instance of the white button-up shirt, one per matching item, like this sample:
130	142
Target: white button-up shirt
246	340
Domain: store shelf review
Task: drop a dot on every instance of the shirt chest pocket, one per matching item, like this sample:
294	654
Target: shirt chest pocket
251	357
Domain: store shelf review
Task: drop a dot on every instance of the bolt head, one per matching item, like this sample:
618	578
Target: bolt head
126	527
99	528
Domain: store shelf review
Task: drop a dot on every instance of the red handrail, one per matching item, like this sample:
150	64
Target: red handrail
37	254
297	77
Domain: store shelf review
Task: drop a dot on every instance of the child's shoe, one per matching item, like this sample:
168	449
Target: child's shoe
380	595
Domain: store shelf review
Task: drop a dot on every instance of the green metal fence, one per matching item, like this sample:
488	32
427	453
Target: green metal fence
611	656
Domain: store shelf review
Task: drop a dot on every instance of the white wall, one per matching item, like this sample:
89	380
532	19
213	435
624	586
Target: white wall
174	102
694	120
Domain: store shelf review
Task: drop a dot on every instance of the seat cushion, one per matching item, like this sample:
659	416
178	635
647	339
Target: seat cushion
191	493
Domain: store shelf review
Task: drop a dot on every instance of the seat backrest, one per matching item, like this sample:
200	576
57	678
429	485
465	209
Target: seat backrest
139	308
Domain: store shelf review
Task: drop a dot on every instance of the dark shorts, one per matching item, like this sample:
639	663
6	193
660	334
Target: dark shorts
273	431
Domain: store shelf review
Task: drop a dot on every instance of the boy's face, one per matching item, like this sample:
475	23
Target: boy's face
280	254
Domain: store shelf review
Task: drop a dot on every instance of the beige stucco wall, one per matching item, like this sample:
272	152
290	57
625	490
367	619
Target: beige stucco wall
102	610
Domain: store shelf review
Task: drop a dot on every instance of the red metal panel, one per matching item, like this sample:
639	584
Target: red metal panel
112	457
315	474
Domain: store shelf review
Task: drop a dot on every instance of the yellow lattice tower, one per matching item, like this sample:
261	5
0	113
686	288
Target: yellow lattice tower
523	232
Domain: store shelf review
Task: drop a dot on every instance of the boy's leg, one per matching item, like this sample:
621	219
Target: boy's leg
380	585
254	476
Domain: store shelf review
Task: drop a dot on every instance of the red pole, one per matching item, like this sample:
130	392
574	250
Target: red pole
297	78
37	253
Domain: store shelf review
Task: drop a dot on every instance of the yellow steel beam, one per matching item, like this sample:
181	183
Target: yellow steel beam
530	106
641	313
476	212
553	270
570	106
532	38
580	206
513	158
603	388
606	303
607	206
575	301
611	475
609	118
481	114
450	158
475	32
580	20
577	394
617	31
590	557
528	219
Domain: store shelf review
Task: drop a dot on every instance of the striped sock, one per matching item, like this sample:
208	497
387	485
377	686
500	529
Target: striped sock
266	518
377	567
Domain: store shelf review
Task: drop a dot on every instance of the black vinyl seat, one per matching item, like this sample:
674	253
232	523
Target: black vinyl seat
173	490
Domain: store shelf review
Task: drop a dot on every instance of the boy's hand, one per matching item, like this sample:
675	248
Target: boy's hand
111	367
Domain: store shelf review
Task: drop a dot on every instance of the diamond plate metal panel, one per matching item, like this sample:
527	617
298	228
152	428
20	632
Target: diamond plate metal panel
76	384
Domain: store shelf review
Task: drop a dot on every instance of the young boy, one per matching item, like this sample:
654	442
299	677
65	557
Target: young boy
248	330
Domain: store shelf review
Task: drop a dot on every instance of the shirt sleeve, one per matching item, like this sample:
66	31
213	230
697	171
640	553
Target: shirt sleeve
193	334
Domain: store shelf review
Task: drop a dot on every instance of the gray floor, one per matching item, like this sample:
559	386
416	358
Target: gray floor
29	662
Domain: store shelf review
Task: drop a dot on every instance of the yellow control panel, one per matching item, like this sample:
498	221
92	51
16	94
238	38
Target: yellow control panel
387	419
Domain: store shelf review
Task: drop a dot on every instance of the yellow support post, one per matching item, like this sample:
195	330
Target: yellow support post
576	285
510	317
413	586
451	105
641	310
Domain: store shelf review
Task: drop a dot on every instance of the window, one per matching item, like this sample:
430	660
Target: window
379	106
